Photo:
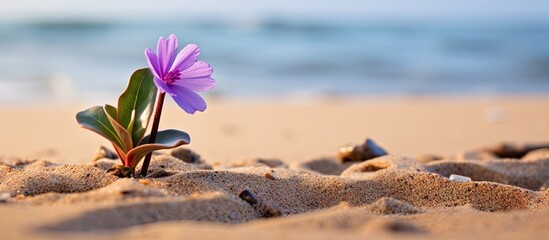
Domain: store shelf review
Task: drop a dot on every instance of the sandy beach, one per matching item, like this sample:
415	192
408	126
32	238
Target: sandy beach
248	120
272	169
299	130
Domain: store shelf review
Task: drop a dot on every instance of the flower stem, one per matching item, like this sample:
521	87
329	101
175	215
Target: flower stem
154	130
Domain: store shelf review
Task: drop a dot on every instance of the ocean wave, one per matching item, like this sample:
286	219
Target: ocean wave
278	56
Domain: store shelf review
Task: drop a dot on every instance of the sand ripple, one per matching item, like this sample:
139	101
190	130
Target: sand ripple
194	190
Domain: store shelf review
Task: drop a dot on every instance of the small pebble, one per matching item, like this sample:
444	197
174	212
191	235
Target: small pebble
5	168
144	181
4	197
249	197
270	211
269	176
363	152
459	178
264	210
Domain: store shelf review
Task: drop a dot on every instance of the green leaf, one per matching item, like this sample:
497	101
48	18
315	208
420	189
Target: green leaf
125	137
164	140
111	111
96	120
136	103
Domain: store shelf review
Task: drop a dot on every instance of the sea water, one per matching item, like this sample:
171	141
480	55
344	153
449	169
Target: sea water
50	60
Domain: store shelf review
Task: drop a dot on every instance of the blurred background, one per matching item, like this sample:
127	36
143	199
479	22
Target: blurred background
63	50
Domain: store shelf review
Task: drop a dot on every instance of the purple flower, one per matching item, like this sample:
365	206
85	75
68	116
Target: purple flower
180	75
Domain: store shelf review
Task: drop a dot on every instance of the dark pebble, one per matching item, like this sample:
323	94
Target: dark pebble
264	210
366	151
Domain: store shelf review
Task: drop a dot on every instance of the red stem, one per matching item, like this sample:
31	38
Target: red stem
124	160
154	130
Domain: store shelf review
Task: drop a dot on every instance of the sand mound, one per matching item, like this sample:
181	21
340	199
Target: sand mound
526	173
168	162
272	163
387	163
346	219
181	186
387	206
121	190
41	177
210	206
326	166
536	154
513	150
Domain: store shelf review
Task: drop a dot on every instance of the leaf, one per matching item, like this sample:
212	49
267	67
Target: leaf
165	139
95	119
135	104
125	137
110	110
121	155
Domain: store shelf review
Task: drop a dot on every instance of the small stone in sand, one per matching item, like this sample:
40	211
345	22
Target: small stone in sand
269	176
264	210
4	197
249	197
459	178
363	152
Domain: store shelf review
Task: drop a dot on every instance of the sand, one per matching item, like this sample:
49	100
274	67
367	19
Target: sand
286	177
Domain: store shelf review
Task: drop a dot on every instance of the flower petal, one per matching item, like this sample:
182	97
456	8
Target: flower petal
162	86
197	78
198	84
198	69
188	100
186	58
166	50
153	62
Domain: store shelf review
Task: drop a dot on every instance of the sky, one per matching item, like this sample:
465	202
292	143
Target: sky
22	10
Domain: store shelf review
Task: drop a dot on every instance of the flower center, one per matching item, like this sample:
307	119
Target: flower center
172	76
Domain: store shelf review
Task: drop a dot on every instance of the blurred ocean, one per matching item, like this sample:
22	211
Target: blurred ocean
42	61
